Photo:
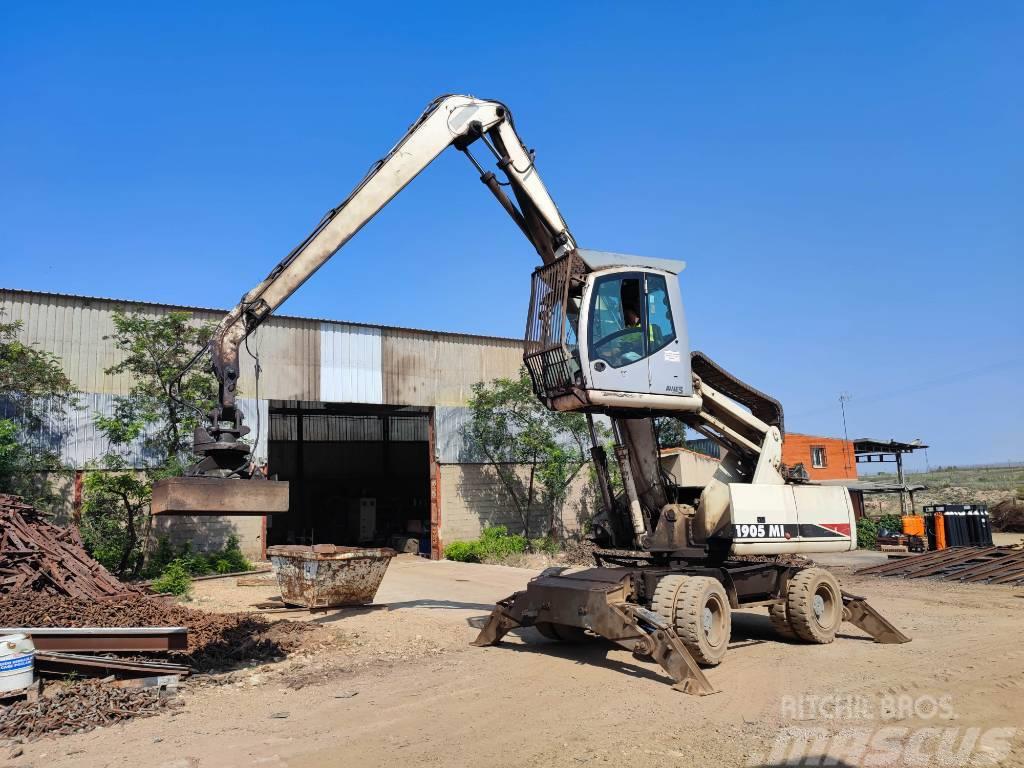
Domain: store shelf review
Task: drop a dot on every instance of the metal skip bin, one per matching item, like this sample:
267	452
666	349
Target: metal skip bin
328	576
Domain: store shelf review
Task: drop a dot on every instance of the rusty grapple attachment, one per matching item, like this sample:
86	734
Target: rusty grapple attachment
597	599
219	496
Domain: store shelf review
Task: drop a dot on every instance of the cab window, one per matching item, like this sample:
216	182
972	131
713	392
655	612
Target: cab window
660	328
616	320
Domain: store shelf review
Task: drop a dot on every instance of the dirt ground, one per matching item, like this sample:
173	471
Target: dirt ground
400	685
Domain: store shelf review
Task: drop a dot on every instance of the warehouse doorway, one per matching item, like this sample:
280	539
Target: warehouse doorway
360	475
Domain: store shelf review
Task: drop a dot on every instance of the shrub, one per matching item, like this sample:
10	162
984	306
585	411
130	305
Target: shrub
494	543
867	533
159	558
497	544
175	580
228	559
548	545
893	523
463	551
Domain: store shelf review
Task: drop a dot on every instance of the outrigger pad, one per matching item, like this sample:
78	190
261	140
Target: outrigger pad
857	611
630	626
219	496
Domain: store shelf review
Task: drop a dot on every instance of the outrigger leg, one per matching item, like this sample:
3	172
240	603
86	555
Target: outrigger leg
594	601
858	612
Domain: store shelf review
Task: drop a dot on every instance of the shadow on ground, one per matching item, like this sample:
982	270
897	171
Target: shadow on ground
591	652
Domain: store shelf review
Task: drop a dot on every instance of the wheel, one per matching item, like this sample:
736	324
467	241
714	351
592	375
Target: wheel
665	593
698	608
777	613
814	605
561	632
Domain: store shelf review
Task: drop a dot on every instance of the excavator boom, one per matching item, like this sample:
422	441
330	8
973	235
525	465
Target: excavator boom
449	121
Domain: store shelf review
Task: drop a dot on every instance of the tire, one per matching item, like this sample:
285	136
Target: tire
698	608
561	633
665	593
780	623
814	605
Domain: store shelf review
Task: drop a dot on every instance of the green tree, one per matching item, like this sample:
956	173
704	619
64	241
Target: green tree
512	430
671	432
115	510
155	350
33	387
115	523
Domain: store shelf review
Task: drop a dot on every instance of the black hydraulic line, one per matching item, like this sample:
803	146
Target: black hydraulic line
491	182
600	457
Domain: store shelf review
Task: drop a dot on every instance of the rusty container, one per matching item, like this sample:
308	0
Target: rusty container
328	576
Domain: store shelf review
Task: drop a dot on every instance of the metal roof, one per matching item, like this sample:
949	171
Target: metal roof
606	259
873	486
191	308
873	445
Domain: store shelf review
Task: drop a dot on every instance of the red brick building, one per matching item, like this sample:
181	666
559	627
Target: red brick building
824	458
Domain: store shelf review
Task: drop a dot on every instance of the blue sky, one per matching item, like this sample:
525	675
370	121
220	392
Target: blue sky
845	181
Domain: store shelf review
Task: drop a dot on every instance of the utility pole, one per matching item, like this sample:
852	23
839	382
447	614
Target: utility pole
843	399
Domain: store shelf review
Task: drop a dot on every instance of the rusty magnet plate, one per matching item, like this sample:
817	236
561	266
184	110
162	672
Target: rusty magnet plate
219	496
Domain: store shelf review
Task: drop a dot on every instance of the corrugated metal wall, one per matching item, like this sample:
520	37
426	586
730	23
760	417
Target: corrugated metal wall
336	427
454	445
289	352
350	364
301	359
74	329
705	446
72	432
422	368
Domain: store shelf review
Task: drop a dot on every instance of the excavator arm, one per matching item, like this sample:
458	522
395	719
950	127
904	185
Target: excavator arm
457	121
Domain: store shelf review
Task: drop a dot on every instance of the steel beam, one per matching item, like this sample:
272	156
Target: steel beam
104	639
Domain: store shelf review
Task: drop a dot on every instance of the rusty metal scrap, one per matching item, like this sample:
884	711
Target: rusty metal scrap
104	639
989	565
54	663
78	708
215	641
39	557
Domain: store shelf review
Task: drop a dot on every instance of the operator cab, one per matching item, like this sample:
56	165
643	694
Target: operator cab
606	333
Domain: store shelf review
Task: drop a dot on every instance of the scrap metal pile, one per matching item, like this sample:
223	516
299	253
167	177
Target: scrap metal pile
215	641
39	557
77	708
981	565
1008	516
48	580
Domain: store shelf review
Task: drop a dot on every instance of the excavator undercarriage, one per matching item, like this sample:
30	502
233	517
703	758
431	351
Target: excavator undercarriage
680	616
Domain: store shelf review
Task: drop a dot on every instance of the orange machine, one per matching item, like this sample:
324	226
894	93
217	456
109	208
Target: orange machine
913	525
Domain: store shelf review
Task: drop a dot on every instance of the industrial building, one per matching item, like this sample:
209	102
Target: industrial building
368	423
